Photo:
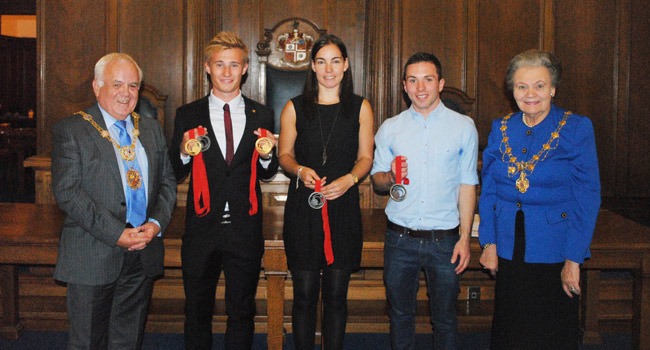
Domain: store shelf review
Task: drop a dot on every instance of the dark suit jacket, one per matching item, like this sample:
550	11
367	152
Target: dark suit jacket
227	184
87	186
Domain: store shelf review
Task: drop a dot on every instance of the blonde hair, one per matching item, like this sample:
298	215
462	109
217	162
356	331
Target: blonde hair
224	41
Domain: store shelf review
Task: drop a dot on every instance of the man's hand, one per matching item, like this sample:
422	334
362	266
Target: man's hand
269	135
461	254
186	137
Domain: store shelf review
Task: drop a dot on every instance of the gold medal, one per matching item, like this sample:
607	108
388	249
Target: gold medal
522	183
264	145
133	179
127	153
193	147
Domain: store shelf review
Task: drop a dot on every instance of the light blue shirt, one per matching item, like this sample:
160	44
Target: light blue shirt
442	151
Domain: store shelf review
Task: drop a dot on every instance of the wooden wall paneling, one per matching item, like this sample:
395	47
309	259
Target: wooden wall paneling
586	37
505	28
202	22
71	37
438	27
638	78
243	18
379	46
155	39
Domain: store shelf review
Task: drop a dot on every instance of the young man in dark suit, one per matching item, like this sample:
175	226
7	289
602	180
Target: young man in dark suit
223	226
112	178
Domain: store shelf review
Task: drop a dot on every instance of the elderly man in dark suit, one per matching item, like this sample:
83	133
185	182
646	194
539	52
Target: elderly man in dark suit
223	228
112	177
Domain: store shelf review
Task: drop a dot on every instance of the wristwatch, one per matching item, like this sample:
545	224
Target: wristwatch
355	178
486	245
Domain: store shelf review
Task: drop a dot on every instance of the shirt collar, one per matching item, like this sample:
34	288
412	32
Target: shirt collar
435	114
216	101
109	120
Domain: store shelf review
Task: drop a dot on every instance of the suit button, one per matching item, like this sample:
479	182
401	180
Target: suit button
123	204
524	151
518	205
564	215
528	132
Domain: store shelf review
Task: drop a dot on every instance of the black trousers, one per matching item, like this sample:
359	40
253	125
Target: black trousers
306	288
531	309
242	275
110	316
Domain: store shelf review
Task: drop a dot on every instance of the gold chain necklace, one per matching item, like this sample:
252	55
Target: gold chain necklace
133	178
522	167
127	152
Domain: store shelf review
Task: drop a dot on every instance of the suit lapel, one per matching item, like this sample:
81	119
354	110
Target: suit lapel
104	146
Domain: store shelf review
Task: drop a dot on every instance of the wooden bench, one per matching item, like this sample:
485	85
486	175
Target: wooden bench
29	237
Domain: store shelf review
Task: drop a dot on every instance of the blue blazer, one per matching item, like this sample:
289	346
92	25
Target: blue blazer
560	206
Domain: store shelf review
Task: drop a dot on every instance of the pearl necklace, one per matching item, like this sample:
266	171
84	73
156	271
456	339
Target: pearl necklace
522	167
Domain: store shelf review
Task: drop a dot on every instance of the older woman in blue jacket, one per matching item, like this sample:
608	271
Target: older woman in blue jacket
539	201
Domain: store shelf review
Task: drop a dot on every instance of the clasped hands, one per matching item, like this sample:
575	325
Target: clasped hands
336	189
137	238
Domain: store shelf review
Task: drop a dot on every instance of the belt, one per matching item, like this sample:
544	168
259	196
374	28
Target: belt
225	218
426	234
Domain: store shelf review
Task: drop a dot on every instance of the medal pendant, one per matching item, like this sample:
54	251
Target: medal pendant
264	145
316	200
522	183
205	142
193	147
133	179
127	153
397	192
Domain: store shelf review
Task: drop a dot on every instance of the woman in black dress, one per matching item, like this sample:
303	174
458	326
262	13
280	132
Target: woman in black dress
326	146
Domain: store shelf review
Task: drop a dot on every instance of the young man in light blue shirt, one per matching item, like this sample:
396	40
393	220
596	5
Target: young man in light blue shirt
432	152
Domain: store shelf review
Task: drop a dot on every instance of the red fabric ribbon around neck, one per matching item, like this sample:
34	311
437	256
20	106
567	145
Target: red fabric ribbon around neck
252	195
327	241
200	186
398	171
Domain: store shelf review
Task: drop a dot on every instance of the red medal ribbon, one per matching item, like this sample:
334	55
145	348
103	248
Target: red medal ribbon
200	179
398	171
327	242
252	195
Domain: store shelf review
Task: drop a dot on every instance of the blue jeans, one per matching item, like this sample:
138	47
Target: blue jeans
404	257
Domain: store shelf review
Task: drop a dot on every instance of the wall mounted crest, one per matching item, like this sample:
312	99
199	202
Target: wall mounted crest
288	44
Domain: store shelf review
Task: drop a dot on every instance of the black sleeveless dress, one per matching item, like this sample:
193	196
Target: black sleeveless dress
303	225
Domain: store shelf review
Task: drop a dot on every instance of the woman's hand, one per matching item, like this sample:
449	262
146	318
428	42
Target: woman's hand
337	188
489	259
571	278
308	177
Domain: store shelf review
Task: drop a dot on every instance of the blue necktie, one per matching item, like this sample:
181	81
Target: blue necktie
136	201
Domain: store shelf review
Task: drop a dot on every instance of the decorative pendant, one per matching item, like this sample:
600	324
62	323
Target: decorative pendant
127	153
324	157
522	183
133	179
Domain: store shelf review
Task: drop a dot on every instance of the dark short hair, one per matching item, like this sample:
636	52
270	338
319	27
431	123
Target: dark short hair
423	57
534	58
